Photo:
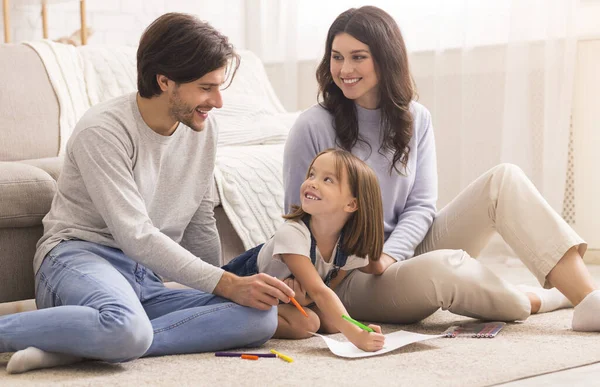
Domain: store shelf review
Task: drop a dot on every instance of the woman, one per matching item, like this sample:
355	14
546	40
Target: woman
368	108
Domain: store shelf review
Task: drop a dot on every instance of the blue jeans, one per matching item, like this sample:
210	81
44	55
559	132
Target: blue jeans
95	302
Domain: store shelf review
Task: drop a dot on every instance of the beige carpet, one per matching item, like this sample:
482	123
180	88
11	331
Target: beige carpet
543	343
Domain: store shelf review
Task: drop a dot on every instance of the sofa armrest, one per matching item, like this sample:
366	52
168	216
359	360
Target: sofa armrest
26	193
52	165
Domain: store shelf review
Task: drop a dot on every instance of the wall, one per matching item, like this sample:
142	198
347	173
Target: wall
586	128
122	22
119	21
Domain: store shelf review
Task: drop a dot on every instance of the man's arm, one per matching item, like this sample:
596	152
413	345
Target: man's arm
201	236
260	291
107	172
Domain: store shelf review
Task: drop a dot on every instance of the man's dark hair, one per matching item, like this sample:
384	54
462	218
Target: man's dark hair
182	48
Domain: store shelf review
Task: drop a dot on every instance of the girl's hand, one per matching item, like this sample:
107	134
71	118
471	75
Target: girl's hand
369	341
379	266
301	296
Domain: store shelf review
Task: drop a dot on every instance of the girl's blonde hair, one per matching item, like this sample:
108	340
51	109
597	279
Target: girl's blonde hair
363	232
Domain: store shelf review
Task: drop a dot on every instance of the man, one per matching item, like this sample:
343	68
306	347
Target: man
134	202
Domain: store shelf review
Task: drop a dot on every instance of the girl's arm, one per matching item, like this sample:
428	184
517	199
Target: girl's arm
301	296
329	303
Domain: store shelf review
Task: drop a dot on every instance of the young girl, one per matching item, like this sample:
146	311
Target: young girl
337	226
367	107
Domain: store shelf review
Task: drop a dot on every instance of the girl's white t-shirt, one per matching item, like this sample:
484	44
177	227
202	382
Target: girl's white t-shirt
293	237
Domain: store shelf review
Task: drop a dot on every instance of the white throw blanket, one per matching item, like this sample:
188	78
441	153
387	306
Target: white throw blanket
65	71
252	125
249	180
110	71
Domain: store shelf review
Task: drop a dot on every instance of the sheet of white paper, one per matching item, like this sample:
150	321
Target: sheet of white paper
393	341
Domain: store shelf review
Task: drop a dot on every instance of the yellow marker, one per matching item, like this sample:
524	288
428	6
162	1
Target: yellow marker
282	356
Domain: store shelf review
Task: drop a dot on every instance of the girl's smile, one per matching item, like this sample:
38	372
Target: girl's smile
325	190
310	195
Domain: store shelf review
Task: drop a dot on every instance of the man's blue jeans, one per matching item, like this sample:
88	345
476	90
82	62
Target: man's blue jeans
97	303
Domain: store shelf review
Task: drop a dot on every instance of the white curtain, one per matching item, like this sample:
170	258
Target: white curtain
272	33
504	94
496	75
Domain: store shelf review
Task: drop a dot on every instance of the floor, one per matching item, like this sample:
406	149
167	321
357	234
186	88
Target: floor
580	376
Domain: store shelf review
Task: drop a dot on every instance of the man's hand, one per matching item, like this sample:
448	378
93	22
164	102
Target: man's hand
379	266
301	296
260	291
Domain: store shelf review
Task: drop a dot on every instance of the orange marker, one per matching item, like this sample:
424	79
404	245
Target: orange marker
249	357
297	305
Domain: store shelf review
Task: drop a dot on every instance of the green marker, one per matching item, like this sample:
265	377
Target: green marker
360	325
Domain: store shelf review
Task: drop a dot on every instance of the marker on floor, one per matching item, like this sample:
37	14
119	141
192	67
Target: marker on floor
238	354
282	356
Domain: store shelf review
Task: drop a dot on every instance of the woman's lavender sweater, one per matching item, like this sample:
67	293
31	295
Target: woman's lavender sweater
409	201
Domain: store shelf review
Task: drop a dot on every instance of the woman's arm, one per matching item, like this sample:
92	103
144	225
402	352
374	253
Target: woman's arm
420	209
298	153
329	303
379	266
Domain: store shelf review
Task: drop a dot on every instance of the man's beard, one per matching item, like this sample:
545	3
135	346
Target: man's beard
183	113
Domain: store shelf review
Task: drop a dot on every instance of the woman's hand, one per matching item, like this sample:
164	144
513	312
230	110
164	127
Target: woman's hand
301	296
369	341
379	266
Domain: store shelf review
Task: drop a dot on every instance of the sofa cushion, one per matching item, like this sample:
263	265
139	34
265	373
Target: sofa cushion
26	193
52	165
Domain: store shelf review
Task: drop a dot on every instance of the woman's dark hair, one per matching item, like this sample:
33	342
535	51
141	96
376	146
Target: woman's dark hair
182	48
378	30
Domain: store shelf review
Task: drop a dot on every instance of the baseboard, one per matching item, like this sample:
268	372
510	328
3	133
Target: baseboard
592	256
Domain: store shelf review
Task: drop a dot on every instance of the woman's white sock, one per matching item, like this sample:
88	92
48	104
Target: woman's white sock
32	359
551	299
586	317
